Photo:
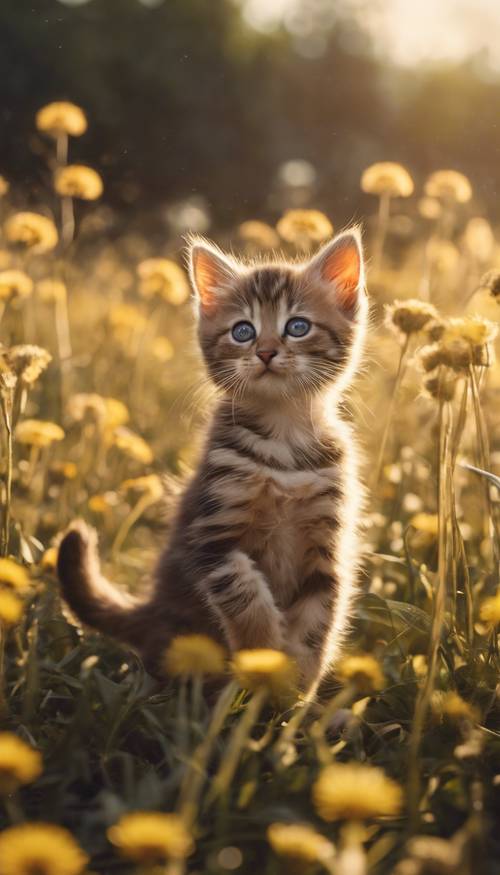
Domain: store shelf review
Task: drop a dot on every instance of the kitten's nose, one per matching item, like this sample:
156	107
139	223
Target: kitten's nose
266	355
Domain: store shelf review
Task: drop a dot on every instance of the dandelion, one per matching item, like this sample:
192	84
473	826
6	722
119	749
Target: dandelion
19	763
425	522
449	185
14	575
28	362
264	669
37	433
489	611
259	235
78	181
160	277
61	117
15	284
351	791
4	186
115	413
162	349
387	177
34	232
41	848
49	559
298	841
361	670
191	655
409	316
150	485
150	837
479	239
102	503
132	445
429	208
51	291
62	471
304	228
443	386
11	608
457	709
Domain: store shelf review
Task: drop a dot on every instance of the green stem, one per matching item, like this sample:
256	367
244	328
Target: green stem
237	741
8	476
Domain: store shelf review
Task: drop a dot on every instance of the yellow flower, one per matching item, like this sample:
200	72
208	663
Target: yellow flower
409	316
50	291
15	284
37	433
351	791
150	836
162	277
489	611
193	655
150	484
86	404
125	316
11	608
115	412
266	669
78	181
61	117
304	227
64	471
387	177
31	230
132	445
259	234
475	329
40	849
102	503
49	559
13	575
298	841
449	185
28	361
426	522
19	763
362	670
429	208
162	349
457	709
4	186
479	239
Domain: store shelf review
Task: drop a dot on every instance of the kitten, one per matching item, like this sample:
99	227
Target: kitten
262	550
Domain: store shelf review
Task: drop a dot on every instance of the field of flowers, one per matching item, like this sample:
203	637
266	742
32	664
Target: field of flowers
106	769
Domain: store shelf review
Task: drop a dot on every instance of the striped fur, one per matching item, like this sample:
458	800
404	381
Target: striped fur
262	551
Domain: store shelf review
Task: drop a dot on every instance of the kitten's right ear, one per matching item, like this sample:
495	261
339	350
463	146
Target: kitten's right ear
211	274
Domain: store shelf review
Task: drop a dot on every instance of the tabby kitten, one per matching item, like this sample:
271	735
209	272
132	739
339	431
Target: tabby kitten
262	550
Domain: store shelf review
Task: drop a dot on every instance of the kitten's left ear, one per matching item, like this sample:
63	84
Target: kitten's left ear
340	265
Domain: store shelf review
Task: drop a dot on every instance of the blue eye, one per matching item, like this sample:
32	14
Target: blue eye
297	327
243	331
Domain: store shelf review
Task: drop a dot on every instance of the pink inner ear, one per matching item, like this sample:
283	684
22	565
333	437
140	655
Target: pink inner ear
342	267
207	276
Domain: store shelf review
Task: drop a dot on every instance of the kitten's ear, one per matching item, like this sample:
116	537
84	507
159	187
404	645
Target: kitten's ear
340	265
211	273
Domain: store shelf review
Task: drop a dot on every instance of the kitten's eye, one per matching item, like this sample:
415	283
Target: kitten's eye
297	327
243	331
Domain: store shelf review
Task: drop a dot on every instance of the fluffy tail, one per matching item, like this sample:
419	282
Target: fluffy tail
94	600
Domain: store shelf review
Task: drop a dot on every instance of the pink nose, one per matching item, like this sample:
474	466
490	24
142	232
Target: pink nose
266	355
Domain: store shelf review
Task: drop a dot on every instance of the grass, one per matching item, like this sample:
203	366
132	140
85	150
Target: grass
113	739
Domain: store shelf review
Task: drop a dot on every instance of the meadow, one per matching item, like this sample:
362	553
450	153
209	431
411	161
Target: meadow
104	768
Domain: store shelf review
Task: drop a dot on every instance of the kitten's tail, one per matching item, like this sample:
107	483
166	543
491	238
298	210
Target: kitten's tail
94	600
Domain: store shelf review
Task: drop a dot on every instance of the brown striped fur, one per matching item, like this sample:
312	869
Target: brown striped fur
262	551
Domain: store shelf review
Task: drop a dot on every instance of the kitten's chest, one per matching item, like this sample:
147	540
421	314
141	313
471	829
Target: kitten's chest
286	516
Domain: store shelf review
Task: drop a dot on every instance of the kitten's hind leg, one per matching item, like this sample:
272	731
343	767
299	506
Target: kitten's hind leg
240	597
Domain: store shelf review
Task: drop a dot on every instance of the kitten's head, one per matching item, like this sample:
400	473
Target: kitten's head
278	329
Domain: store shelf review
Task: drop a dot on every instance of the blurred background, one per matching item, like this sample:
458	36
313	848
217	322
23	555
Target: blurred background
209	111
